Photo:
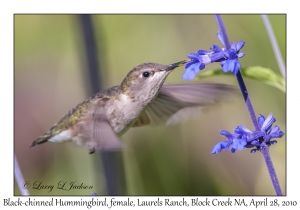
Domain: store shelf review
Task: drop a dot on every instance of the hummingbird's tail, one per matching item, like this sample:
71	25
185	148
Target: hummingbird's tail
42	139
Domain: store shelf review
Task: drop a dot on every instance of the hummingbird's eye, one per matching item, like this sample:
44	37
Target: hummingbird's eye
146	74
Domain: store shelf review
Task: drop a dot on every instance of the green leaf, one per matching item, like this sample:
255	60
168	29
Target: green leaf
254	72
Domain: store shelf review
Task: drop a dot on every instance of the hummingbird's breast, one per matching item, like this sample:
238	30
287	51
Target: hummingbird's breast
123	112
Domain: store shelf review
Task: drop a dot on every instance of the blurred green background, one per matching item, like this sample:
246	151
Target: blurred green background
51	78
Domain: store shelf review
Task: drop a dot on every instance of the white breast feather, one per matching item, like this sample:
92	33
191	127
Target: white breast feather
61	137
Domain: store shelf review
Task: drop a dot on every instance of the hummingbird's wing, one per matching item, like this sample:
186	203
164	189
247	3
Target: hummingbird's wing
103	135
176	103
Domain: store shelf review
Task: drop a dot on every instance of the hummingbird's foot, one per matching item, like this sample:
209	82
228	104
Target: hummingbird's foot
92	150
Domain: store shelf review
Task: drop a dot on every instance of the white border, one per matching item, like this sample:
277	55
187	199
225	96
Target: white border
8	8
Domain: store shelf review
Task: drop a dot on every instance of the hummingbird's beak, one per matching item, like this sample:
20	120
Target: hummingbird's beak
175	65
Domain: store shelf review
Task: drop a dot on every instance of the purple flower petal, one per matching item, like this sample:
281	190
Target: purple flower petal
202	52
228	135
216	48
231	65
231	54
192	56
273	142
242	130
268	122
188	64
205	59
239	144
220	37
202	66
225	66
219	146
267	138
260	120
255	143
191	72
255	135
276	132
215	57
253	150
233	47
222	63
236	67
240	45
240	55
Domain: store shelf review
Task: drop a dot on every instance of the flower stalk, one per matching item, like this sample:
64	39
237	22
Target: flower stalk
274	44
19	178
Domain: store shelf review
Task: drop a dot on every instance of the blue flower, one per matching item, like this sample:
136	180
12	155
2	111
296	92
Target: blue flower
265	126
234	141
266	133
245	138
219	146
238	144
227	58
232	63
198	61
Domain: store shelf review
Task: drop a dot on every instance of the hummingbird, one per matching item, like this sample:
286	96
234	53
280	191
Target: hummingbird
141	99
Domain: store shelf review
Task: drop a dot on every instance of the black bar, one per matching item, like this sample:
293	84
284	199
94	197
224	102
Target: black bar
112	161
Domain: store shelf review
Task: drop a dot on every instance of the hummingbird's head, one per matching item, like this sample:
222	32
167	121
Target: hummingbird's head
145	80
